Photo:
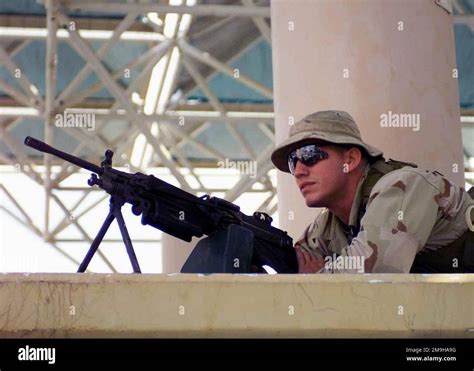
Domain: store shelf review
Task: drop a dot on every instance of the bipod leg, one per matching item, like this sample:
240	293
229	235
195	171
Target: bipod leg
126	239
97	240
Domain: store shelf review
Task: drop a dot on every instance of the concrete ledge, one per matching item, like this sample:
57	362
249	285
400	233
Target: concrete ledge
127	305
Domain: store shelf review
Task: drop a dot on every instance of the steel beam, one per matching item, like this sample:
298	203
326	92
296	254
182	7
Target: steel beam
68	221
63	253
224	68
119	94
259	22
239	117
29	89
28	221
20	155
194	72
51	64
81	230
214	72
28	224
16	94
103	50
264	165
198	10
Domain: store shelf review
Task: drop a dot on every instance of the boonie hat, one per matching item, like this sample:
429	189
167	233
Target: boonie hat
336	127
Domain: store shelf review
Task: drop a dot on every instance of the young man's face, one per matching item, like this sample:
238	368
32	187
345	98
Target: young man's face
323	183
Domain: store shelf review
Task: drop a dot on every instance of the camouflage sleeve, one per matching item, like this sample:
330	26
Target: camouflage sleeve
399	218
304	241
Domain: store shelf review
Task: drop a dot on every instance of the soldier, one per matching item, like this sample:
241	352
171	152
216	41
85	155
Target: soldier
390	215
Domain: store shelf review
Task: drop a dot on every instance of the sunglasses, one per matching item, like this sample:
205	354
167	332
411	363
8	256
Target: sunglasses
308	155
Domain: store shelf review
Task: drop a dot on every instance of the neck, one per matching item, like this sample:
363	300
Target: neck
343	205
343	209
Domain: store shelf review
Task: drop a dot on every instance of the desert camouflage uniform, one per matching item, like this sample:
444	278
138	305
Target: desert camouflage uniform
409	211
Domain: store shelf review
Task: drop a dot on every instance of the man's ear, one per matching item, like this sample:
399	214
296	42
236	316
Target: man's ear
353	157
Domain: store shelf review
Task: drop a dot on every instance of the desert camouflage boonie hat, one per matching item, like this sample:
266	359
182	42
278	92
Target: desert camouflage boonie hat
336	127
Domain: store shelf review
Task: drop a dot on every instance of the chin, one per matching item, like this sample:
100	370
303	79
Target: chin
313	202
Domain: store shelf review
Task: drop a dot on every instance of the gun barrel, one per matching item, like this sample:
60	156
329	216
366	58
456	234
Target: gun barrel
43	147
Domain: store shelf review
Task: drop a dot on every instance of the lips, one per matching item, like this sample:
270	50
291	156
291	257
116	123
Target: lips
304	185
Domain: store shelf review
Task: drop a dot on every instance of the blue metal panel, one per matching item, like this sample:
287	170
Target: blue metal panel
257	64
31	7
465	63
218	137
31	61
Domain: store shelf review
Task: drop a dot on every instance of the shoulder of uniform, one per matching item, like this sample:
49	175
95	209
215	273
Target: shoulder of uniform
409	176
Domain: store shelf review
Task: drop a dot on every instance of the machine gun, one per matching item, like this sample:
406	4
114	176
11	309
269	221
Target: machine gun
235	242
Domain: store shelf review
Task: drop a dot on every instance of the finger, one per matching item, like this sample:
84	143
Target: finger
314	263
300	257
308	257
317	263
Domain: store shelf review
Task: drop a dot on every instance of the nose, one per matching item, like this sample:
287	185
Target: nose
300	169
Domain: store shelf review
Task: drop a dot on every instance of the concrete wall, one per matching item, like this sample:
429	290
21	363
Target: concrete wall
129	305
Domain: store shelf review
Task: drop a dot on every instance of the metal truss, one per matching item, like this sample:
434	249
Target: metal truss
460	16
154	130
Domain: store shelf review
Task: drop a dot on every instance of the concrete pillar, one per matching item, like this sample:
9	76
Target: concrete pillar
175	252
369	58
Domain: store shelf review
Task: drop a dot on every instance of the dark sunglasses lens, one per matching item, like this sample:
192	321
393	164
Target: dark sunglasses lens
311	159
308	155
292	162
